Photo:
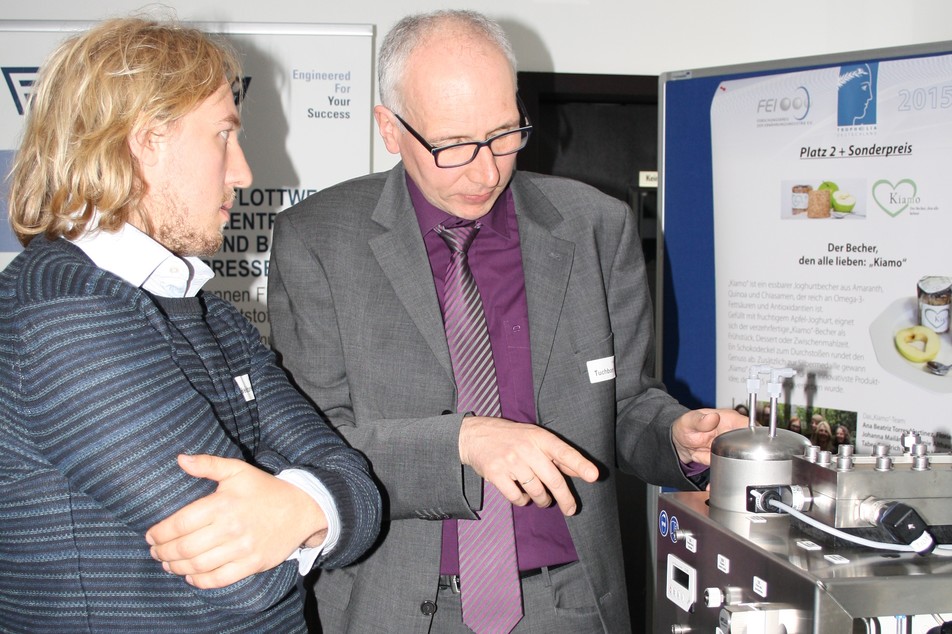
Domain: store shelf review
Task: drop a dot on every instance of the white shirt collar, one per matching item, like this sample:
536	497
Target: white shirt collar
143	262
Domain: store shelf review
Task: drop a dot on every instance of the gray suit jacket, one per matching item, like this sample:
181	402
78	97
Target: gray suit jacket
355	316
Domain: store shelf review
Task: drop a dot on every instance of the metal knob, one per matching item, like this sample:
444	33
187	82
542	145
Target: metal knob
811	453
680	534
920	463
713	597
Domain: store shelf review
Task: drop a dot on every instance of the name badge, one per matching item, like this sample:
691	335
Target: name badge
601	369
244	386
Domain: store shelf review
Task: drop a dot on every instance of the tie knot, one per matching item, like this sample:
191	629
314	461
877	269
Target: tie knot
459	238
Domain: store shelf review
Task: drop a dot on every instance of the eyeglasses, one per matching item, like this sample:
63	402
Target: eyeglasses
459	154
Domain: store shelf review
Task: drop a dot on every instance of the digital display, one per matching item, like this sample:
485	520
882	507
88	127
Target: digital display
681	584
680	577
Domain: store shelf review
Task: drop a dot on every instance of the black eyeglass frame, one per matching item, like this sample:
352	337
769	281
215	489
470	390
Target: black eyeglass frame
525	130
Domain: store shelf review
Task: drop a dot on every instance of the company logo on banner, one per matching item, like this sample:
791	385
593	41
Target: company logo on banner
895	198
856	94
789	107
20	82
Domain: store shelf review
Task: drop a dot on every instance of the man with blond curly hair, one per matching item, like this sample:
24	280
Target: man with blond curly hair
157	469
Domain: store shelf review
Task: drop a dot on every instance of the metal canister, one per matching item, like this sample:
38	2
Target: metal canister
800	198
935	298
751	457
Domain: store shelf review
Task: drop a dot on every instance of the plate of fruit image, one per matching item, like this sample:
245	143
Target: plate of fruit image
903	347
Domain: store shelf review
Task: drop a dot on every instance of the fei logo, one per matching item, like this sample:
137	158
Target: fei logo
856	103
20	82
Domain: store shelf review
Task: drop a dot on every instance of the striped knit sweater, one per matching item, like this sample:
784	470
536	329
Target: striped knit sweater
101	387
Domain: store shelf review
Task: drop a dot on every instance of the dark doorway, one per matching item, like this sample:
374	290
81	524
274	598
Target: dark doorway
603	130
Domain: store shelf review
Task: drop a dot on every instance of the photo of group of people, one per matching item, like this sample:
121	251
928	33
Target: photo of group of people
825	427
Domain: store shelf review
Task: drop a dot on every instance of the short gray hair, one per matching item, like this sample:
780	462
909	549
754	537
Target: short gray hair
404	37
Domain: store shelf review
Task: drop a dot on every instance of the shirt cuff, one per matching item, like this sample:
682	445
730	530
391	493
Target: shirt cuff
308	483
692	468
699	474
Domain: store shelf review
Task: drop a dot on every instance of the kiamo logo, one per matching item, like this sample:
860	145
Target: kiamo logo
20	80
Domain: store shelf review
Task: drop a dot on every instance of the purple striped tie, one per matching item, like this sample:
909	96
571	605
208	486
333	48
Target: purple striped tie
489	576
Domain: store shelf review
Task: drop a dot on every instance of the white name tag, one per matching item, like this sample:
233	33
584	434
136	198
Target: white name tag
601	369
244	386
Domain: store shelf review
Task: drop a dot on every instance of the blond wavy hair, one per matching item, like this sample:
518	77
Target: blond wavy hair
96	89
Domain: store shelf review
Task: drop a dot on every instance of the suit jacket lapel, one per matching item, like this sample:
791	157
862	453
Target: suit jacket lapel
400	251
547	262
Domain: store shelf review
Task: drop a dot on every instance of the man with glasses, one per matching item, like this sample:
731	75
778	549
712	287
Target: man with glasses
465	152
482	335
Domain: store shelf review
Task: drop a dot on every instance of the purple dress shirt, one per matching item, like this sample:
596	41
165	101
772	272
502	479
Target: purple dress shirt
542	537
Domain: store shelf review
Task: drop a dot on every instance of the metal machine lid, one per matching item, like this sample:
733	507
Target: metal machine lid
757	444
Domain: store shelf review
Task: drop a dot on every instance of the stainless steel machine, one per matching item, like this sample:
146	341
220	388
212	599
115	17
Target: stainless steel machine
793	540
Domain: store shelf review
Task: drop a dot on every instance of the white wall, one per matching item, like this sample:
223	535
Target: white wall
595	36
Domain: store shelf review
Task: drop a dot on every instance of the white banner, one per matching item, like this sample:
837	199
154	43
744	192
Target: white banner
832	202
306	121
